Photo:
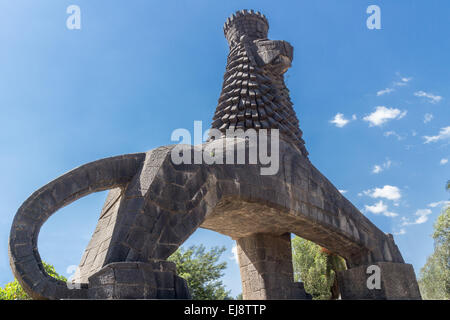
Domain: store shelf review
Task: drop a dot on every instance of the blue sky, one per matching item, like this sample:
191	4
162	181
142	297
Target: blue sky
373	104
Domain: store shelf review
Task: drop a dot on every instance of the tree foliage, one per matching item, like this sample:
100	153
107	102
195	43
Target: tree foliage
434	279
14	291
316	267
202	271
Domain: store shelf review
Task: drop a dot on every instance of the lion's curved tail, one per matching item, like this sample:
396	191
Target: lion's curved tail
24	256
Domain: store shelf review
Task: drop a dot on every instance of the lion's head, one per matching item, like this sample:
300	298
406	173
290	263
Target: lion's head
254	94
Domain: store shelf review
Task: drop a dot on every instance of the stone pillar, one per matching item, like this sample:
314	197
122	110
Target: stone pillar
397	281
138	280
265	262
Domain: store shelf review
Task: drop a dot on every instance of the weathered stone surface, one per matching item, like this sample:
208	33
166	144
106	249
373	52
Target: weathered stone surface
265	262
138	280
398	282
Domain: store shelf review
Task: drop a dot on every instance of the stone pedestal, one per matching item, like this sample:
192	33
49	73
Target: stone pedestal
397	281
138	280
265	262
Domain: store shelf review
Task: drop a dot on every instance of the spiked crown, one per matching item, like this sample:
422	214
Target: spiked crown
245	22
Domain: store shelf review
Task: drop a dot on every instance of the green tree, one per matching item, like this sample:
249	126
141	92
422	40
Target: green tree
202	271
14	291
434	279
316	267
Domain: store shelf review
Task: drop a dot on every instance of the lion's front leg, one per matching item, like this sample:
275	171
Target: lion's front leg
140	226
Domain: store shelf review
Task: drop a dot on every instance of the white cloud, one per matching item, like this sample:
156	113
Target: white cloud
387	164
340	121
427	118
235	254
422	217
431	97
401	232
387	192
443	161
400	83
380	208
342	191
377	208
379	168
389	214
403	81
394	134
443	203
385	91
383	114
443	134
